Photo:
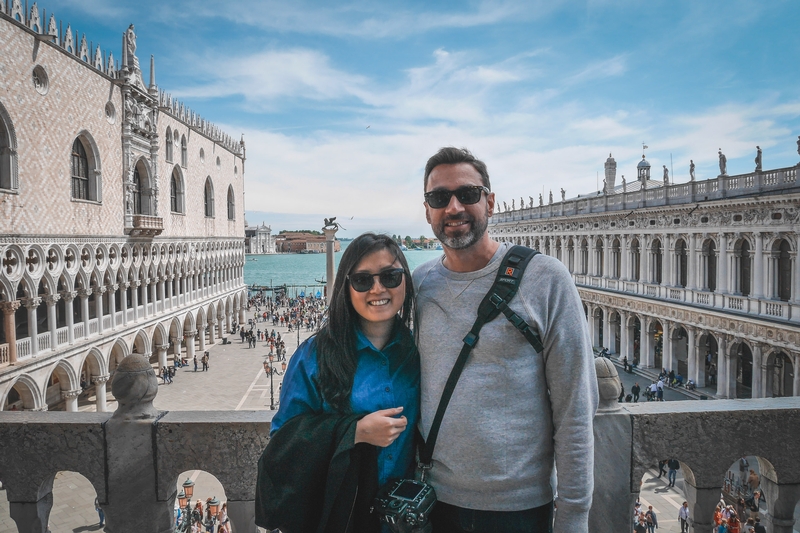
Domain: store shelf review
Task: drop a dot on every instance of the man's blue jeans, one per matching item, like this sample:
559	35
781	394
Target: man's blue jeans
671	476
448	518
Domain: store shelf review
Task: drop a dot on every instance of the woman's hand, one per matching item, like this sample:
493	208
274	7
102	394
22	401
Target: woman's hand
381	428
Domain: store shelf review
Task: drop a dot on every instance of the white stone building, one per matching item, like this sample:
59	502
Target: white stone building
122	219
670	273
259	239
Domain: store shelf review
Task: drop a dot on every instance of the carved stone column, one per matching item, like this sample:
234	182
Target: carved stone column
161	280
100	392
154	294
68	297
52	321
607	330
112	304
10	327
758	356
70	397
758	266
162	355
667	350
32	304
135	284
201	332
33	516
623	258
123	294
145	296
188	337
169	288
84	295
722	274
221	325
691	355
645	344
782	499
691	263
211	331
723	361
667	272
98	301
624	338
177	345
702	502
796	363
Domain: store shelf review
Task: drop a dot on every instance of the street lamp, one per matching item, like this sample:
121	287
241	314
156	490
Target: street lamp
185	503
270	370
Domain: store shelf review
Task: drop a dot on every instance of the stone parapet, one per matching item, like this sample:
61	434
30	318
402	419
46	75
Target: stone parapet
706	437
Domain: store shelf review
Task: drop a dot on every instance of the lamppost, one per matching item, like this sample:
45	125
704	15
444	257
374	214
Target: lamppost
185	503
271	371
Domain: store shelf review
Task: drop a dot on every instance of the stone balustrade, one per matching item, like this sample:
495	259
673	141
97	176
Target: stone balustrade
134	456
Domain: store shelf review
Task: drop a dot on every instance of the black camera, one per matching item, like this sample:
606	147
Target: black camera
405	506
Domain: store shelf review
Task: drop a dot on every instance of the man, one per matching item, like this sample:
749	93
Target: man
673	466
683	517
513	410
651	519
759	527
635	390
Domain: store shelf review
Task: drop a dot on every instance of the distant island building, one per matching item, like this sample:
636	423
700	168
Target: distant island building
258	239
303	242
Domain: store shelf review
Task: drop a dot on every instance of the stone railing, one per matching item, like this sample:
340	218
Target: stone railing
134	456
778	181
147	225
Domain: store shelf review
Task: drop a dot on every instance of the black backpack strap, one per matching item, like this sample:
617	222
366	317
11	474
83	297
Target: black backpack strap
505	286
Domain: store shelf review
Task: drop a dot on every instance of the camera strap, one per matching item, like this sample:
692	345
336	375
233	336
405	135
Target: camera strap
509	277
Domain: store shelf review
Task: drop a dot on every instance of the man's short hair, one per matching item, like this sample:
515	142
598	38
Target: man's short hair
450	155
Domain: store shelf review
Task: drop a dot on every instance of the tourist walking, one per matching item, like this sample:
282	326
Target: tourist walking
635	390
683	517
651	519
100	512
673	465
204	360
339	394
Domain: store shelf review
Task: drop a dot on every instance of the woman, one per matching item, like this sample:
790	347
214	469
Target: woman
223	520
362	372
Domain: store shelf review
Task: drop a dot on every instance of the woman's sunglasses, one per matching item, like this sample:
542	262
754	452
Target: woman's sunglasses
465	195
363	281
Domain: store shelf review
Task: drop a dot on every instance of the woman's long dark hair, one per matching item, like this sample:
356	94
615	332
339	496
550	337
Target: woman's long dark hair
336	341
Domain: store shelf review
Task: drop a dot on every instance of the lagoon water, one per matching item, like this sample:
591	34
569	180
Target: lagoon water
303	270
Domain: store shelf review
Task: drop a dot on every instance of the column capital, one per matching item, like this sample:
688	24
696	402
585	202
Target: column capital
68	296
162	347
42	408
32	303
146	281
52	299
10	307
124	285
100	290
70	394
85	293
97	380
201	328
189	334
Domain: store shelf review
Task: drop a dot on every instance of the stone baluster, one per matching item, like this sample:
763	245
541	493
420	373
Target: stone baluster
32	304
101	404
10	327
132	503
52	321
70	397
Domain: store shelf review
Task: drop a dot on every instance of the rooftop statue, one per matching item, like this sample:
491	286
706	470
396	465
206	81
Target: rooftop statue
666	175
758	159
530	198
551	196
723	164
541	202
691	170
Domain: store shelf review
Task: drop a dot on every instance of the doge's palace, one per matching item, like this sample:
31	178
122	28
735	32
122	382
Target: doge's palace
701	278
122	227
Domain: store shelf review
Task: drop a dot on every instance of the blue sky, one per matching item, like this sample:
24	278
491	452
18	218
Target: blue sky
341	103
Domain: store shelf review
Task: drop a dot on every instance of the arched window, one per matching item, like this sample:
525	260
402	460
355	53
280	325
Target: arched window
176	191
231	204
657	259
681	263
636	260
84	169
782	273
209	198
168	144
137	192
8	153
184	152
80	171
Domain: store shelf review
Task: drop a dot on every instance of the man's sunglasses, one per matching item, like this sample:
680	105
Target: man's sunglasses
363	281
465	195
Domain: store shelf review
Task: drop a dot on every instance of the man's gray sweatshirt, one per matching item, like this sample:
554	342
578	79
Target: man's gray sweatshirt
513	411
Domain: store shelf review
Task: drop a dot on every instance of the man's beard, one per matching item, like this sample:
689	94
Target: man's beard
466	239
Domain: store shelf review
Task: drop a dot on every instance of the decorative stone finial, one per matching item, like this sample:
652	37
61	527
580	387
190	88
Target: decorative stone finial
608	384
135	386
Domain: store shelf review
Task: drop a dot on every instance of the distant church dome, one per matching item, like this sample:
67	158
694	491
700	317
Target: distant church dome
643	163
